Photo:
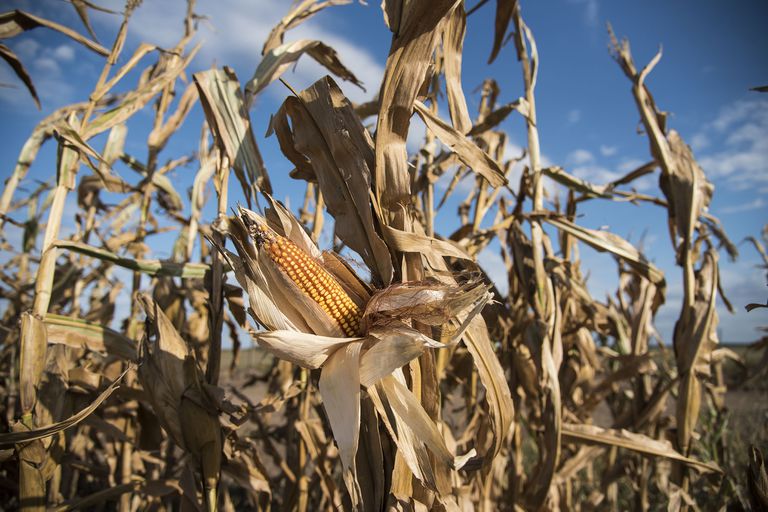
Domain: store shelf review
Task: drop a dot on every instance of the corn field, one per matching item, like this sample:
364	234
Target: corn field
388	372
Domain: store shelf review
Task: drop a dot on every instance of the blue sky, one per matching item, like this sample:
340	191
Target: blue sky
588	122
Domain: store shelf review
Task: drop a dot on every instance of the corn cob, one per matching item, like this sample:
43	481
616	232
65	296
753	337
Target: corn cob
310	277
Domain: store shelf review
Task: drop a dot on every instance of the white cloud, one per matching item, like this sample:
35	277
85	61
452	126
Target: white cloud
26	49
591	15
64	52
745	207
234	33
734	113
45	70
574	116
47	65
608	150
741	161
699	141
580	156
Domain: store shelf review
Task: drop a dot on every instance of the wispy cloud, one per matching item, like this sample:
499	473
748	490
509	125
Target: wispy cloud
574	116
608	150
741	158
580	156
745	207
44	65
699	141
591	11
235	30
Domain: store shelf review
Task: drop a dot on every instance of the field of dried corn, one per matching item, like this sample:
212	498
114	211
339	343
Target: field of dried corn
389	372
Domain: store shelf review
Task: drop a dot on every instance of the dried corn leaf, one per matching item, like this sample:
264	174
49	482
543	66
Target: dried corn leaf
632	441
467	151
227	115
78	333
605	241
497	393
159	136
299	13
138	98
410	412
576	184
686	187
81	7
33	342
695	337
18	68
405	241
340	388
13	23
504	10
493	119
161	371
306	350
27	435
393	348
454	31
149	267
277	60
413	44
327	132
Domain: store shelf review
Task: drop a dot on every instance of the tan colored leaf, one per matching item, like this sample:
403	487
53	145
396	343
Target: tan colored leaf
81	7
328	143
340	388
27	435
13	23
605	241
467	151
577	184
78	333
393	348
18	68
632	441
229	121
299	13
695	337
149	267
277	60
138	98
495	118
405	241
453	43
411	413
33	343
413	44
504	10
306	350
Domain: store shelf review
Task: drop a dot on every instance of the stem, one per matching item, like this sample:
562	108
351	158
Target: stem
217	281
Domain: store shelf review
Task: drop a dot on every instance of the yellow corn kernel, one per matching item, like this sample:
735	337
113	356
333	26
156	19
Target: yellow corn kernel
311	278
